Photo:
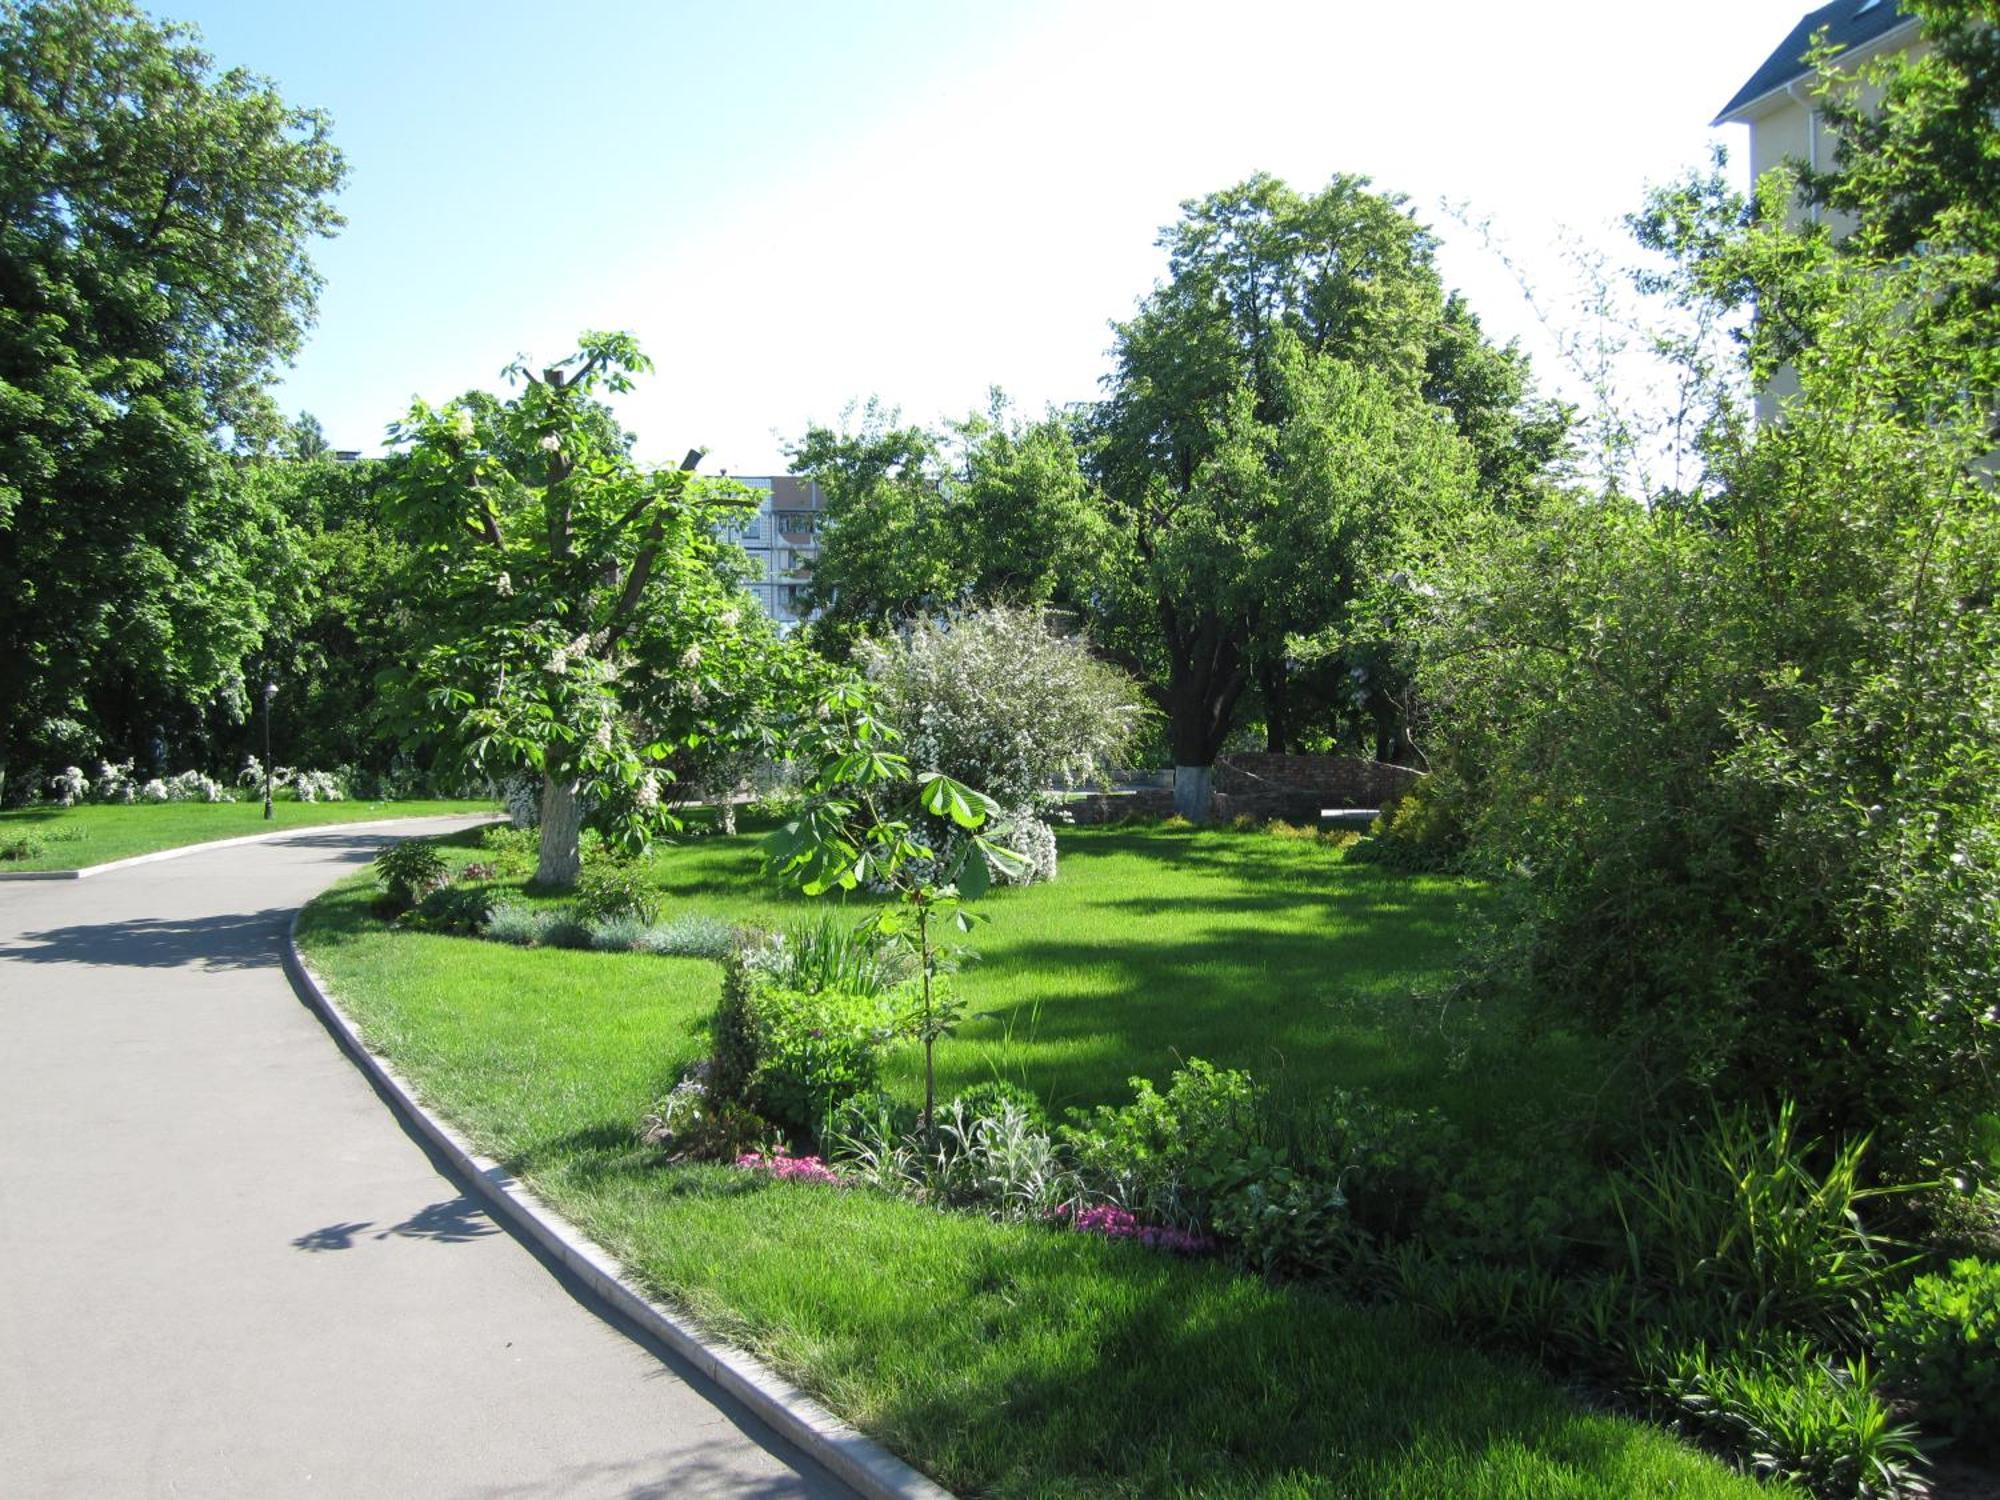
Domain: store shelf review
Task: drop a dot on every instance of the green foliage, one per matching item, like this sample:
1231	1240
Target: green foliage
986	1101
1733	750
461	910
580	615
693	1124
859	825
409	870
920	522
815	1051
1736	1221
1000	1161
734	1046
1939	1343
611	889
1795	1417
153	277
1272	449
828	954
21	846
1162	1155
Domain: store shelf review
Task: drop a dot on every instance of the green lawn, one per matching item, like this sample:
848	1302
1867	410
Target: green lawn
1015	1360
73	837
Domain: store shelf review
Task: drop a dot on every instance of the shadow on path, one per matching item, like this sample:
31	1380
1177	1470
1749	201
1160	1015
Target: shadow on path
234	940
453	1221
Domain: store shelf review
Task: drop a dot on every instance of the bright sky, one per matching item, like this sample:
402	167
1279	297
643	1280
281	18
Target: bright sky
796	204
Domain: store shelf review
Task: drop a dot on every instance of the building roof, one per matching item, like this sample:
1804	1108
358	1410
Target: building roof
1848	24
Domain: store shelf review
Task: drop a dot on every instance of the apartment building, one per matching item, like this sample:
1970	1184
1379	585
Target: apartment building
1776	102
782	538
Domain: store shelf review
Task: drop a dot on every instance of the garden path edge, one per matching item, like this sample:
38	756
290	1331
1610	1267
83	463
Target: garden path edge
843	1451
86	871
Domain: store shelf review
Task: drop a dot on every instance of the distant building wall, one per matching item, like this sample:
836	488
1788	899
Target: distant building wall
781	539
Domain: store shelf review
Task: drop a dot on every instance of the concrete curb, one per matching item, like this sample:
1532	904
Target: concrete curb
249	838
859	1461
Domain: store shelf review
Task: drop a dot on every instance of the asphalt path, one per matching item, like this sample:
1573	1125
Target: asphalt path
225	1269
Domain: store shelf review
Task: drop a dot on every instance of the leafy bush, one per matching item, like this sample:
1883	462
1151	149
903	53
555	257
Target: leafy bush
621	934
692	1124
794	1054
409	870
1939	1342
1736	1223
610	889
1159	1155
1735	742
514	851
69	786
1277	1220
19	846
815	1051
460	910
1794	1417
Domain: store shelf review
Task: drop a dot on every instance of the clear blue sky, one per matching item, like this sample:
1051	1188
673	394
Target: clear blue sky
796	205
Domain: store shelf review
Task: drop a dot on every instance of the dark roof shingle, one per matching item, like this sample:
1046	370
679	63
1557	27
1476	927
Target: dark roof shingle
1848	23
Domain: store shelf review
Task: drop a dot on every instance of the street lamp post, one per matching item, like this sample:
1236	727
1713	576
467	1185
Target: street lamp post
270	692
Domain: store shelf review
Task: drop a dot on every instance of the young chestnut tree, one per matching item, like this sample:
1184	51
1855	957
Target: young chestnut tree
580	617
866	811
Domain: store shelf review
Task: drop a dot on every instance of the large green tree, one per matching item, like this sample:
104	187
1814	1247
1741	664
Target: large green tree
1288	410
993	508
155	217
581	614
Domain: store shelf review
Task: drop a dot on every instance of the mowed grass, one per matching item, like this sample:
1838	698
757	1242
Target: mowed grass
94	833
1017	1360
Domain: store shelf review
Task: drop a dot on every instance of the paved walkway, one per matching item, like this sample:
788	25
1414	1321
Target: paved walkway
225	1269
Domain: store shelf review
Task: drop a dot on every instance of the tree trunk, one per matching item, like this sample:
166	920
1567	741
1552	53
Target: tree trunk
1194	792
562	833
725	813
1274	681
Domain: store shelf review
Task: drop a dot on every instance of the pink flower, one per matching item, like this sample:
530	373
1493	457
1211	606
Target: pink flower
1118	1223
789	1168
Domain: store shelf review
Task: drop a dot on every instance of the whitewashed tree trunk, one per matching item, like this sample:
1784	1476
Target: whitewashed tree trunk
562	833
1194	792
725	812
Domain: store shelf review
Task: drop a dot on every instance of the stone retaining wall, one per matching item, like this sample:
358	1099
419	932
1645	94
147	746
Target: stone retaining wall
1337	780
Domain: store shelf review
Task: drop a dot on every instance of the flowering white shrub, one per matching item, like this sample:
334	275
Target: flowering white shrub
318	786
69	786
154	791
197	786
1001	700
114	782
1035	841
